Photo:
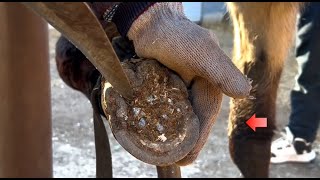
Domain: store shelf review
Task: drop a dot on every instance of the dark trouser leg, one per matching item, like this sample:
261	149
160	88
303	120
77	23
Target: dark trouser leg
305	97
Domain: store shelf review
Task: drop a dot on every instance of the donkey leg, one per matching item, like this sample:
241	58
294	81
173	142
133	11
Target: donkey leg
172	171
263	34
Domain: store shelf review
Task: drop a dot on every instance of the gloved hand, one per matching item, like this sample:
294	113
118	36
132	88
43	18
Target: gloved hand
164	33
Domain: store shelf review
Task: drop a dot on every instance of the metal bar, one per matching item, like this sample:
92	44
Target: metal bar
25	109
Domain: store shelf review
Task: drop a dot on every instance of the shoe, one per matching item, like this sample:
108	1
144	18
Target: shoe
290	149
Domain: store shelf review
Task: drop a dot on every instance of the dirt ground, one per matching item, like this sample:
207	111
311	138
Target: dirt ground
73	140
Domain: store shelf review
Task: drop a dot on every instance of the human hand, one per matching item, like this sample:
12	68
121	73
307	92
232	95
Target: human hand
163	33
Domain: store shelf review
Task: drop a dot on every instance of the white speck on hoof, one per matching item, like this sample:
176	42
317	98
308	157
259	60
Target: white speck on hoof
136	111
151	98
164	116
162	138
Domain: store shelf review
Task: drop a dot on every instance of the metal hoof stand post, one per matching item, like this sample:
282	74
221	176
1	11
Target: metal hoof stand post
25	110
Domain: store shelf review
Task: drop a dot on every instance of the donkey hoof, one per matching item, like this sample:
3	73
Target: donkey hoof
158	126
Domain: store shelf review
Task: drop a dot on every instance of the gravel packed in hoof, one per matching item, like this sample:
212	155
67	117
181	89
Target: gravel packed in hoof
157	126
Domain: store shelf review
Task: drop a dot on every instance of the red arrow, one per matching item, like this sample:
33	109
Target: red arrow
254	122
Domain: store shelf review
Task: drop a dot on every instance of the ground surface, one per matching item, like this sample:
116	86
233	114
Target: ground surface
73	140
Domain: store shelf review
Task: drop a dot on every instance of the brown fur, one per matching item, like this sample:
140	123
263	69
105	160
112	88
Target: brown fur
74	68
263	35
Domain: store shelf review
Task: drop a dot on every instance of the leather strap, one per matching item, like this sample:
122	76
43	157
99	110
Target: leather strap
102	145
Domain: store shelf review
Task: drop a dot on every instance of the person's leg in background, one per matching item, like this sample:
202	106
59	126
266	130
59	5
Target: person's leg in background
304	119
